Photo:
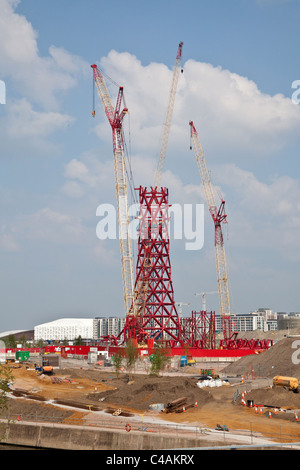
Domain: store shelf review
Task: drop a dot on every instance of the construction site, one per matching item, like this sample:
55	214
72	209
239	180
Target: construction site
252	402
151	315
231	390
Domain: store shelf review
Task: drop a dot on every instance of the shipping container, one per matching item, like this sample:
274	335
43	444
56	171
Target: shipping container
22	355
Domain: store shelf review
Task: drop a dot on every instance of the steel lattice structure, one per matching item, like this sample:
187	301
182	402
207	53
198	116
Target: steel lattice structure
153	315
198	330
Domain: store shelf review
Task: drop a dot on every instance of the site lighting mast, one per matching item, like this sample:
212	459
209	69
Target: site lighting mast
218	216
115	118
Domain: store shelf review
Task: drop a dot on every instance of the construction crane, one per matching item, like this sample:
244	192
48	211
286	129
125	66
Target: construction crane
168	120
204	298
180	304
218	216
115	118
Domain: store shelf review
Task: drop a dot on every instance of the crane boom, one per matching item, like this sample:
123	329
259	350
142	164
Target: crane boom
167	124
115	117
218	216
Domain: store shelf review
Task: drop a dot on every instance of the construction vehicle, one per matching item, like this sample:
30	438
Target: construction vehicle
288	383
46	368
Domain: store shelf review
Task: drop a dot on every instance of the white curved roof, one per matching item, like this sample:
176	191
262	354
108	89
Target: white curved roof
69	322
62	328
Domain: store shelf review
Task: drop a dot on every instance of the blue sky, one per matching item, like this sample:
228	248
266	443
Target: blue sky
240	59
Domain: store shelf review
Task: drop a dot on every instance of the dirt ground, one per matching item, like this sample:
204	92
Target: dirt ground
89	388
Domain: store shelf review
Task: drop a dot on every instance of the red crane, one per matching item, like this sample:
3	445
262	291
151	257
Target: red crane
219	217
115	118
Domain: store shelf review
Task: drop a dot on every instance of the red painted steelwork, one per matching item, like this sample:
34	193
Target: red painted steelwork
154	315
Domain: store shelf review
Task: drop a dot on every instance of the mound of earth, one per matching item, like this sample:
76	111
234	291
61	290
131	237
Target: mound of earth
276	397
35	411
280	359
145	390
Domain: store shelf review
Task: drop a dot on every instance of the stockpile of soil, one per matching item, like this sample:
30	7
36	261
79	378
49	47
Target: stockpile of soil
145	390
35	411
276	397
280	359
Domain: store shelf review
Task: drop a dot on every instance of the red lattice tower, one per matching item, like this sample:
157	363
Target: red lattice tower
153	315
201	330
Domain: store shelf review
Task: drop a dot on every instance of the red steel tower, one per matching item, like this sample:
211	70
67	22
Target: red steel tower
153	314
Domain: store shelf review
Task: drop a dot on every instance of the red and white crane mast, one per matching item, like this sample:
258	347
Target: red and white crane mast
115	118
218	216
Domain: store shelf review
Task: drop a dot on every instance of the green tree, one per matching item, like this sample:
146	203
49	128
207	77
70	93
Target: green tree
131	355
39	343
23	341
5	378
159	359
78	341
117	359
10	341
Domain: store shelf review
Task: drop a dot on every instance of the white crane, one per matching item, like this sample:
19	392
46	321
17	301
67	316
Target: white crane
204	298
179	305
167	125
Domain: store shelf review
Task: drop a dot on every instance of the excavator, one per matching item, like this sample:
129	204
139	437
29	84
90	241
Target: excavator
46	368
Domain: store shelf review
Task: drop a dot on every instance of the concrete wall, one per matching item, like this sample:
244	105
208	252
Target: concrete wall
59	436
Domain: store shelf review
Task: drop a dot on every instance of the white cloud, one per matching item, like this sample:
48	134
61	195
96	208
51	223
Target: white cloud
265	215
229	111
38	78
46	225
7	241
23	121
88	172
